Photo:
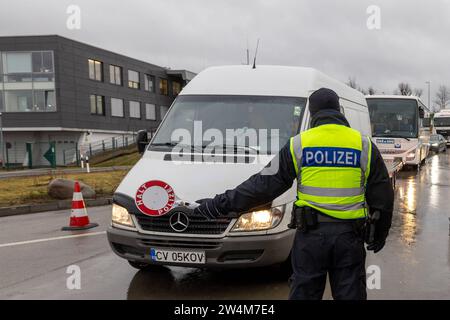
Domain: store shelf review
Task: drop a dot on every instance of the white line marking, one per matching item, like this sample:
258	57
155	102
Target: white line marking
12	244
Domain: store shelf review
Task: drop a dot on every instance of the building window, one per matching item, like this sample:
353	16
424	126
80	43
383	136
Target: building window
133	79
95	70
149	83
164	87
115	75
42	62
17	62
150	111
163	110
116	107
44	100
97	104
27	82
176	88
18	101
135	109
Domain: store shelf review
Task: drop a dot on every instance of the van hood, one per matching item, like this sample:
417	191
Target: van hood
190	181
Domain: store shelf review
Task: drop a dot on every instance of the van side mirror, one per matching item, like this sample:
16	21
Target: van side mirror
421	113
142	141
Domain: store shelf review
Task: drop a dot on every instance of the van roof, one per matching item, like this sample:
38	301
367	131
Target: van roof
266	81
442	113
391	96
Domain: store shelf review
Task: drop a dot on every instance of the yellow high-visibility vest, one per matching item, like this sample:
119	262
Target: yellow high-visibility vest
332	163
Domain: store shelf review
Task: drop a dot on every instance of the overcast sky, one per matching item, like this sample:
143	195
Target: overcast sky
412	45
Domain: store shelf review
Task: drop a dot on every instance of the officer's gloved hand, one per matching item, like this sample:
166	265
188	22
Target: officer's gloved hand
376	246
207	209
380	239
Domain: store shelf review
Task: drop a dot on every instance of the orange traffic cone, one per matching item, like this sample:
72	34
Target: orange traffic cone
79	219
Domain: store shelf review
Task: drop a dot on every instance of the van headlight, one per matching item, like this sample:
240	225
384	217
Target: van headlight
120	215
259	220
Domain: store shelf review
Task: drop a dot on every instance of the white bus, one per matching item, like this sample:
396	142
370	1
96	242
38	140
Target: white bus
397	127
441	122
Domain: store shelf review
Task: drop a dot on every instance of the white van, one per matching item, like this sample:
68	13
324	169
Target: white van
151	224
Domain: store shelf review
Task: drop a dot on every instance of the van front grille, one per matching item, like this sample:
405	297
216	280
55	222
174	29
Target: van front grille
197	225
188	244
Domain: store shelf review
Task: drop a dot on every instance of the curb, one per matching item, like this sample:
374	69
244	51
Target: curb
52	206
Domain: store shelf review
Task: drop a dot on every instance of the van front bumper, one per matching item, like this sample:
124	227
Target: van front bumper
226	252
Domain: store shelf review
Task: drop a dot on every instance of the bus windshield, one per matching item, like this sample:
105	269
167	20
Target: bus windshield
442	121
279	117
393	117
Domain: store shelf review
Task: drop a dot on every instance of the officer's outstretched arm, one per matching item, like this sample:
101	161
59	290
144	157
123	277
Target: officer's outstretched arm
261	188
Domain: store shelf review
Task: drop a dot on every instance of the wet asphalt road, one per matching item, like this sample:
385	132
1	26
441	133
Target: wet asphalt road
415	263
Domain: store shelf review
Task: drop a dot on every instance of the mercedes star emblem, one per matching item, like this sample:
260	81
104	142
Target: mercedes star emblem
179	221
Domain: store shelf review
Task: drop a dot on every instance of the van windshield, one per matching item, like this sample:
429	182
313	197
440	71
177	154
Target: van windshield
393	117
252	122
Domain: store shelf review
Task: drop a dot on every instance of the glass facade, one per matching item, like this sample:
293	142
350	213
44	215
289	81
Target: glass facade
27	82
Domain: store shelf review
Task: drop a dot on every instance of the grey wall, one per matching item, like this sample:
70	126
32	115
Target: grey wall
73	87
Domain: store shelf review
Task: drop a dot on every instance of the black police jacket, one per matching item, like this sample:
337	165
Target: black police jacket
261	189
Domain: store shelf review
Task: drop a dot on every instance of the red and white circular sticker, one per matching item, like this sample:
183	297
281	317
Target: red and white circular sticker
155	198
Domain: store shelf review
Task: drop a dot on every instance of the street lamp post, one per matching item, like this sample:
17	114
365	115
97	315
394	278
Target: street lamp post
429	89
2	144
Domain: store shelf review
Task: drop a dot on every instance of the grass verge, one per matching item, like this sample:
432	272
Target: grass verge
31	190
124	160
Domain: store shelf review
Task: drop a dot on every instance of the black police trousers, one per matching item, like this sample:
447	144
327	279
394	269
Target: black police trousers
333	248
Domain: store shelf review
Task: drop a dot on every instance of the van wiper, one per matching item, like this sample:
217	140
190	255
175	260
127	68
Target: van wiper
173	145
236	147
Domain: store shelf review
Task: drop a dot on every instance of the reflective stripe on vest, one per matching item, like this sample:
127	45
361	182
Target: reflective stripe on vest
332	163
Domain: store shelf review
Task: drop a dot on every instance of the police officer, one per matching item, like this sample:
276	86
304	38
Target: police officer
341	180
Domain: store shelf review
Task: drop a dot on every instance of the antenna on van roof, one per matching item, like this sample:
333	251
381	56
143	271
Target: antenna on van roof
248	54
256	53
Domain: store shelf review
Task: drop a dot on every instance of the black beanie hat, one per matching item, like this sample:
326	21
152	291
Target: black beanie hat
323	99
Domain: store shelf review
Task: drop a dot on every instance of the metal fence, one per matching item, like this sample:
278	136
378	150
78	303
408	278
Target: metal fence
71	156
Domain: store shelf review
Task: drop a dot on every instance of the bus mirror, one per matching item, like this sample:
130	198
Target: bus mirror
142	140
421	113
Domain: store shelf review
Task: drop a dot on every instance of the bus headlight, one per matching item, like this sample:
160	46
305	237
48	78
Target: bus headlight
120	215
259	220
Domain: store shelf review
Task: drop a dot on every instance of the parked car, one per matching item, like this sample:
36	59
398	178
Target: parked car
438	143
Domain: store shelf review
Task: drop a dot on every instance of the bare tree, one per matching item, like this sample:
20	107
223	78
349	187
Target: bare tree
352	82
404	89
418	92
371	91
362	90
442	97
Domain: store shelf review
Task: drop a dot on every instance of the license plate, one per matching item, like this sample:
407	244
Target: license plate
194	257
